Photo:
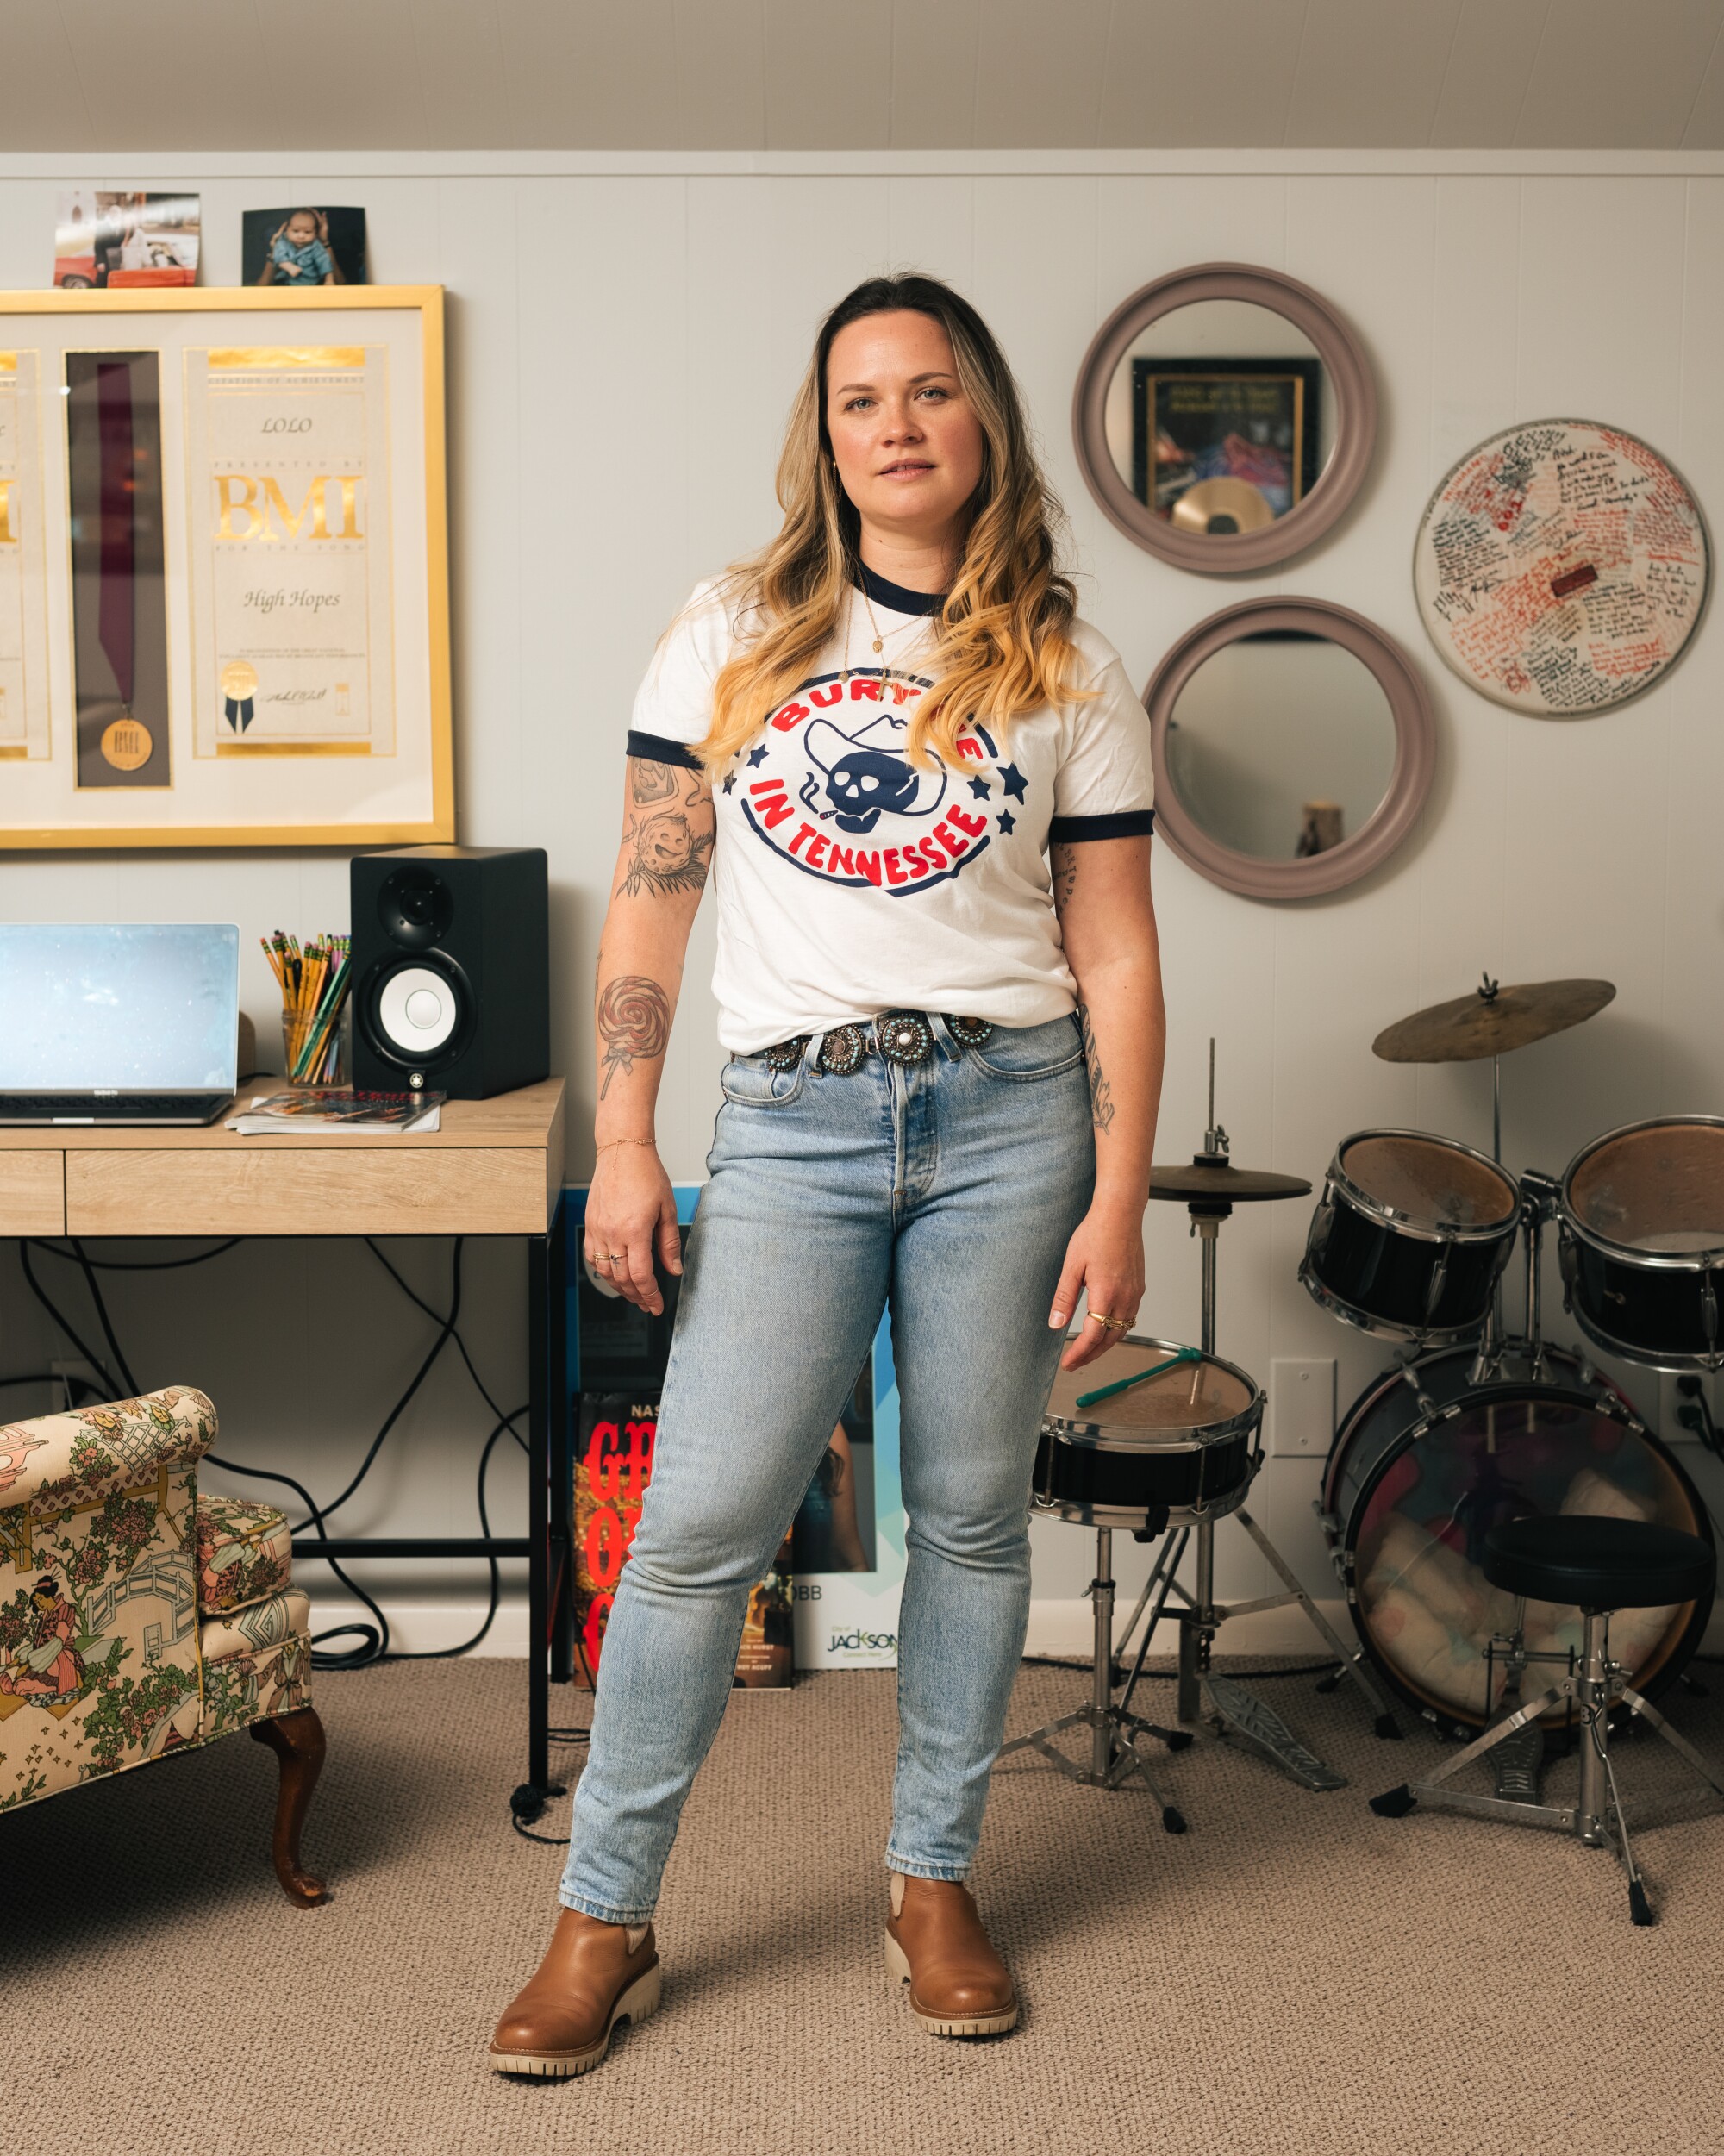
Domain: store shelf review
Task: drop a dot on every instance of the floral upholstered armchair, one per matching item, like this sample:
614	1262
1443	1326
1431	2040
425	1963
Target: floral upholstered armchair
138	1619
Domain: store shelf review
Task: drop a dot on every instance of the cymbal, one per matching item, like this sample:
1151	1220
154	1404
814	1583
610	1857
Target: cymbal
1219	1179
1473	1026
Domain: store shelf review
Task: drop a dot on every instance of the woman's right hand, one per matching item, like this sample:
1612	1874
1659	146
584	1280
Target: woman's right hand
632	1214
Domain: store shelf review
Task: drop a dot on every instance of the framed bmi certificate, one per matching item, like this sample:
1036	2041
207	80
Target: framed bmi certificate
223	568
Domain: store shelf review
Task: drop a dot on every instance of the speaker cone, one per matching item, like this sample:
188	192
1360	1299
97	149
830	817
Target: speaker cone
416	1013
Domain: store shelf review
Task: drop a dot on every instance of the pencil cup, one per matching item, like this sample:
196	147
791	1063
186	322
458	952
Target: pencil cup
332	1067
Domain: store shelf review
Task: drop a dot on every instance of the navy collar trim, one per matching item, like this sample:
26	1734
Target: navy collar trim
898	597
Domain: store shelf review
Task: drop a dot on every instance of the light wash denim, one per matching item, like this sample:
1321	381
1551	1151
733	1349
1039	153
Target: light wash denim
949	1190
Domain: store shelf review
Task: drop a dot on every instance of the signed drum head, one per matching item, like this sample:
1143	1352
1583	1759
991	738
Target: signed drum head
1192	1396
1561	567
1428	1182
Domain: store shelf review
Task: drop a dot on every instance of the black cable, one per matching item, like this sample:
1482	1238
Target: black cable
120	1362
443	1654
374	1642
482	1390
143	1264
41	1295
54	1378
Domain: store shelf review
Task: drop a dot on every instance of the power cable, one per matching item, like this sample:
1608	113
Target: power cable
374	1642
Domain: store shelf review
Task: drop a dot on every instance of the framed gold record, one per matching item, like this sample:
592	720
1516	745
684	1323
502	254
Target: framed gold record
1562	568
223	568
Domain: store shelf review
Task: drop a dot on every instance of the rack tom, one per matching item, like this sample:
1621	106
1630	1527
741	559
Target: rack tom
1184	1442
1410	1236
1640	1236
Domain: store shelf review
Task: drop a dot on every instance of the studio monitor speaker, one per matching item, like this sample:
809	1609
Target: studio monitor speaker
451	970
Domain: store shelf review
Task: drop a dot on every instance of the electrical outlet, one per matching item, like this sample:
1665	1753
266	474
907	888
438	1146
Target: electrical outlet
1670	1401
67	1396
1301	1407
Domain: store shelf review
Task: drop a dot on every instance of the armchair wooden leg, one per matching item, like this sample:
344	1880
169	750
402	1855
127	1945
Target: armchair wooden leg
296	1740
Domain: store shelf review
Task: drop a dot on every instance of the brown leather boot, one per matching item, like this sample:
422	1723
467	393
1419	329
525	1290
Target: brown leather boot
935	1943
593	1976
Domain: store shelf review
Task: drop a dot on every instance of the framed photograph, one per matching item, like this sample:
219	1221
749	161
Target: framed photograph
223	568
1224	445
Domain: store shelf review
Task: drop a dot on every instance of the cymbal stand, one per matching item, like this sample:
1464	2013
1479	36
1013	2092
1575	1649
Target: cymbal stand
1232	1709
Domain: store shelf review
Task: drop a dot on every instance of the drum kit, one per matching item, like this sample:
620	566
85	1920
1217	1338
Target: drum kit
1471	1426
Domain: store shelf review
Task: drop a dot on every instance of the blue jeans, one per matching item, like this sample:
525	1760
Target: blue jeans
949	1190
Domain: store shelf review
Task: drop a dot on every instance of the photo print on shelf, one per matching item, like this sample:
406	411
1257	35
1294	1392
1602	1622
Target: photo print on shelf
302	246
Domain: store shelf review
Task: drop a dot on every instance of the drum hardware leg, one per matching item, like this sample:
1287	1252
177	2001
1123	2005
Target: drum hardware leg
1160	1584
1352	1660
1115	1752
1648	1712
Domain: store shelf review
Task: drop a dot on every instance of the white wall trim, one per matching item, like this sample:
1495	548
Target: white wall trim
118	169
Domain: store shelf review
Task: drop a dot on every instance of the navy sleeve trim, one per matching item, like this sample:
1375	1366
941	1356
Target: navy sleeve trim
656	749
1129	824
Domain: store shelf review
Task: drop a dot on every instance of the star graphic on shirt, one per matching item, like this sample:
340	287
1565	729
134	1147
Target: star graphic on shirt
1006	821
1014	781
730	781
758	755
979	787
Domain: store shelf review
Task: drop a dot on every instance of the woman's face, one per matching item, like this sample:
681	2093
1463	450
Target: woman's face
907	441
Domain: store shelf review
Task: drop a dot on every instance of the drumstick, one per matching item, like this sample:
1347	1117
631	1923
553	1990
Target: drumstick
1125	1384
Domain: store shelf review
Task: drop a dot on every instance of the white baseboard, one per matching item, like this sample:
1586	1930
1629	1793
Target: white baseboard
1063	1628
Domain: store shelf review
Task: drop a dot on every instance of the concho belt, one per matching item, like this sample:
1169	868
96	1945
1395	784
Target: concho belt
903	1037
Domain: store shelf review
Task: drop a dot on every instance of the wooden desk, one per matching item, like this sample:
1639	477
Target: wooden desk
494	1168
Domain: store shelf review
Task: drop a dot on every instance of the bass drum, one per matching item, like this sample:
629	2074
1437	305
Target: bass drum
1426	1462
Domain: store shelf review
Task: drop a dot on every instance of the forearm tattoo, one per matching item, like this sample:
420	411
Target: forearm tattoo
1101	1087
1063	860
666	852
634	1024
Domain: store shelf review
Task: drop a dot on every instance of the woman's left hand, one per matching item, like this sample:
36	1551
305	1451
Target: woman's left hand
1104	1260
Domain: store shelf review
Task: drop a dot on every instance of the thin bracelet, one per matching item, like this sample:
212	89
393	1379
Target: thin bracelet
609	1142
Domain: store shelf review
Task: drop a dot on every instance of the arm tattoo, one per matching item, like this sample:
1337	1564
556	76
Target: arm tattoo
1063	860
650	782
669	853
1101	1086
634	1020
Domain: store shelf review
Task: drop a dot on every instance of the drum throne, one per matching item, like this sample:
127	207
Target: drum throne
1601	1565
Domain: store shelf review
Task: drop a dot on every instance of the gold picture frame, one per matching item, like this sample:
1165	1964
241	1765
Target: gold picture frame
163	690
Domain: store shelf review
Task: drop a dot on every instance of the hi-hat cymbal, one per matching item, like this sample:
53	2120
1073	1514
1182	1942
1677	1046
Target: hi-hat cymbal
1473	1026
1220	1179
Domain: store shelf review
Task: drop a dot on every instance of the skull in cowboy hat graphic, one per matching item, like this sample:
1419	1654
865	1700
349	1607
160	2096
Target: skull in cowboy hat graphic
866	775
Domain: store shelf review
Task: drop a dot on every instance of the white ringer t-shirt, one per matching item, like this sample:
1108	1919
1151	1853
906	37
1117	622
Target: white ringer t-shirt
847	881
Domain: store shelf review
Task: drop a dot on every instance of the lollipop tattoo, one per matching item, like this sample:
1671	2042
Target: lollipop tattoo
634	1020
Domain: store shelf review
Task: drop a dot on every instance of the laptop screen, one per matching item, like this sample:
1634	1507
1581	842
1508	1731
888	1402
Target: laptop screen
87	1005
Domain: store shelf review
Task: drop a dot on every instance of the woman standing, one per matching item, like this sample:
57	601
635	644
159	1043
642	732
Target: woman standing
927	787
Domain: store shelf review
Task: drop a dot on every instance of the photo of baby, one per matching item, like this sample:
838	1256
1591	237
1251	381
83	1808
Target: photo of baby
302	247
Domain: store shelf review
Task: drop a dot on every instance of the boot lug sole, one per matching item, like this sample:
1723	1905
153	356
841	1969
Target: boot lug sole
995	2024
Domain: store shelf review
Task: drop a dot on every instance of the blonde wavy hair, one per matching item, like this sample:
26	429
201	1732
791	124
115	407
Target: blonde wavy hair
1004	635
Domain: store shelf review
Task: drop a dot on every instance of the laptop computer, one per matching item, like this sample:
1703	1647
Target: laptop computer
104	1023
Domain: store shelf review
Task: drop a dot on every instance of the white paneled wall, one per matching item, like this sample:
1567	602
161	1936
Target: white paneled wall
624	346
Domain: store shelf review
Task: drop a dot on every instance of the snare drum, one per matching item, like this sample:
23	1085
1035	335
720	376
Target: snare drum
1640	1234
1183	1442
1410	1235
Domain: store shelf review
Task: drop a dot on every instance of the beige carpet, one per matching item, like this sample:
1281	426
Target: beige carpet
1295	1978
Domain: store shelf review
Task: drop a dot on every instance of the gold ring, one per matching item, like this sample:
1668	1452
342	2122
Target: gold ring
1114	1324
